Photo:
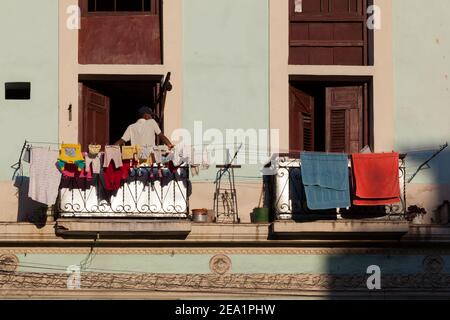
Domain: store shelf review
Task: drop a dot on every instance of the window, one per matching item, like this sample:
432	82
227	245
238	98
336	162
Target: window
329	32
125	32
17	90
119	6
329	116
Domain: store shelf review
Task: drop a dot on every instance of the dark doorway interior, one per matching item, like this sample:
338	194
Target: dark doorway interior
125	98
337	126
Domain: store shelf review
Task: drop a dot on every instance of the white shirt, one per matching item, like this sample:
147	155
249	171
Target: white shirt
142	133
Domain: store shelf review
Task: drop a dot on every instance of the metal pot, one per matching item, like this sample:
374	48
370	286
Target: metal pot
200	215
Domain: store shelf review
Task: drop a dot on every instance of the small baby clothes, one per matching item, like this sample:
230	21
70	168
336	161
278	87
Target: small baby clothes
157	154
195	170
180	155
94	149
93	162
70	154
145	155
71	171
112	153
144	152
129	152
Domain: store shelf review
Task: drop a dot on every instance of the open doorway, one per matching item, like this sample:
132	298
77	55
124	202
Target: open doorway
108	105
330	114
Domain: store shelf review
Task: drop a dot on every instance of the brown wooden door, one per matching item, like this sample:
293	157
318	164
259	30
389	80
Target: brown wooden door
344	119
94	117
301	121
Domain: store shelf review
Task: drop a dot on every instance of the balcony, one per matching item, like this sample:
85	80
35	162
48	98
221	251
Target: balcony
143	195
295	220
288	199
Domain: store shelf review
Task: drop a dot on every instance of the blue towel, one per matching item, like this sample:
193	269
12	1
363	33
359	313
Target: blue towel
326	180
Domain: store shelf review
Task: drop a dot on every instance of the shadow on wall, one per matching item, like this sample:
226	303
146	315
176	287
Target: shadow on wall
399	273
29	210
431	186
384	273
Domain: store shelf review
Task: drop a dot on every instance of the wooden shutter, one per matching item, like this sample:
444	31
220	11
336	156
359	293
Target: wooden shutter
328	32
301	123
344	119
120	37
94	117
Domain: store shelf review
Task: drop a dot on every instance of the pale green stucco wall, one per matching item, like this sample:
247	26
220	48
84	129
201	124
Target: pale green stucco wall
241	264
422	83
28	53
226	65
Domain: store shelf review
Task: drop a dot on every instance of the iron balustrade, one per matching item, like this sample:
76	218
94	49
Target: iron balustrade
289	201
142	195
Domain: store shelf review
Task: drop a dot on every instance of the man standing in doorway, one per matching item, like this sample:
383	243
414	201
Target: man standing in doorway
144	131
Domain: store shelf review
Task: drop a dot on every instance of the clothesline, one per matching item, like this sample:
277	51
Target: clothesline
41	142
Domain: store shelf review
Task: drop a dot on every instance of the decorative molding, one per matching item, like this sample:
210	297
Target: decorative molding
220	264
8	263
226	251
433	264
238	283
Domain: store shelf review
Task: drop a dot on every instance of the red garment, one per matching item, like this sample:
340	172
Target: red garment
125	169
376	179
113	177
172	167
72	171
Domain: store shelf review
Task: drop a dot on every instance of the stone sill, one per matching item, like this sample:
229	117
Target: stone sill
123	228
429	233
186	233
360	230
243	232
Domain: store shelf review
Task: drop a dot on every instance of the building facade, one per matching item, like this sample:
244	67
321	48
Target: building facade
236	64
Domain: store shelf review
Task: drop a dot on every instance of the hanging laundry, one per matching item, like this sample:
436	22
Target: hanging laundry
199	158
144	155
45	177
27	155
70	170
376	179
84	174
70	154
157	154
127	167
94	149
195	170
93	162
172	167
113	154
326	180
205	160
112	177
180	156
129	152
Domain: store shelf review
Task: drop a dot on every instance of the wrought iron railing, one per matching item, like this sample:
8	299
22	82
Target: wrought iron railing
143	194
289	201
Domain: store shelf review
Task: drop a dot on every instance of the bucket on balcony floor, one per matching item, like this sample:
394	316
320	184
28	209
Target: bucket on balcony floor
200	215
261	215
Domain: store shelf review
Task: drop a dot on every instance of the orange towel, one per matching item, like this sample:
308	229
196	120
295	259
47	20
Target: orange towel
376	179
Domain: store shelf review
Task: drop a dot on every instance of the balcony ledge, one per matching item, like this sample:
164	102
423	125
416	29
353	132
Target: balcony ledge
355	230
161	229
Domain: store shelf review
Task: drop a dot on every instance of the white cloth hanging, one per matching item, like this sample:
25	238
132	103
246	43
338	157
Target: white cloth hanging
45	177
